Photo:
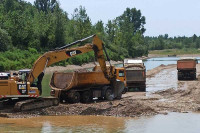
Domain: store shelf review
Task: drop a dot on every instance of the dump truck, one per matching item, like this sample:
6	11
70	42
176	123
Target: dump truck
135	75
26	85
77	86
186	68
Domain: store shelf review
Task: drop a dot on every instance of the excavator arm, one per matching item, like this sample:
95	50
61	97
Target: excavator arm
65	52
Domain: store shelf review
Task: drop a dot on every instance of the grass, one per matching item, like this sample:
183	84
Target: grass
175	51
45	85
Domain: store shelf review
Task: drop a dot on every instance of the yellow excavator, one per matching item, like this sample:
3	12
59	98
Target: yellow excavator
26	84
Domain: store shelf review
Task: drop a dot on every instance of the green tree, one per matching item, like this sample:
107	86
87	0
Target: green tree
82	23
59	27
132	19
5	40
46	5
111	29
9	5
99	29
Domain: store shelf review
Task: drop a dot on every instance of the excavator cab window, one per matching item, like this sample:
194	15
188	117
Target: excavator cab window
23	75
34	84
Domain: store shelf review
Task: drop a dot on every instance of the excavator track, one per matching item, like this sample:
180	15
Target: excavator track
36	103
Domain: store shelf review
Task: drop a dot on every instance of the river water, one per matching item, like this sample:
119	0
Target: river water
155	62
171	123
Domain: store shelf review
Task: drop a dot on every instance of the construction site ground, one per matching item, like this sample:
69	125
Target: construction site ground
177	96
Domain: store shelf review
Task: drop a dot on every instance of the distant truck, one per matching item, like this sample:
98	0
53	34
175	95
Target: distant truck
186	68
135	75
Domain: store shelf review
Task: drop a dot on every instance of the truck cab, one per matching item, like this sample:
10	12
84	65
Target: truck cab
120	74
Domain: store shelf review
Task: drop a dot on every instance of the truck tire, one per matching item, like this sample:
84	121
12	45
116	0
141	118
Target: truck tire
109	95
74	97
86	97
125	90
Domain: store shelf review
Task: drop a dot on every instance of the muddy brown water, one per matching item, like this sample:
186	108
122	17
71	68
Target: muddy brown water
173	122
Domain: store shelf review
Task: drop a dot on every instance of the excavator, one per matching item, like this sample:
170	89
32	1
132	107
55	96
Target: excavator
26	84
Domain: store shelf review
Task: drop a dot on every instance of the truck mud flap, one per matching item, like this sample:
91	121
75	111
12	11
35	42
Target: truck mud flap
118	88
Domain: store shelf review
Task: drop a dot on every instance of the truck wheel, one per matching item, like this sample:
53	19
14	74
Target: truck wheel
74	97
109	95
125	90
86	97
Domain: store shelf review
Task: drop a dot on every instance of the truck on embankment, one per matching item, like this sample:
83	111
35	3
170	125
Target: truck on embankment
80	86
186	68
135	75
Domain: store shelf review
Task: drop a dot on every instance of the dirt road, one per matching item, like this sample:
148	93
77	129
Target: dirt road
182	96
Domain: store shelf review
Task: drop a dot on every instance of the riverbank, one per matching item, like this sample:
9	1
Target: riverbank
174	53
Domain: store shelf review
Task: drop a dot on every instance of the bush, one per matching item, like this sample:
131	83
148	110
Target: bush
17	59
5	40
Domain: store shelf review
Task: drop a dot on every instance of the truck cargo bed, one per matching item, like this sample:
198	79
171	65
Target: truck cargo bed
135	76
184	64
70	80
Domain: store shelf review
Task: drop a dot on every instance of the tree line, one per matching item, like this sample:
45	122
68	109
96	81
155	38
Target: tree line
27	31
165	42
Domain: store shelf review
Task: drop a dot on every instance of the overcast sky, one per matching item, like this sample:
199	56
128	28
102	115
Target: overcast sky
174	17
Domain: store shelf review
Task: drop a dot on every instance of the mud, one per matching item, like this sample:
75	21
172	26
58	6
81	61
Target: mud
183	98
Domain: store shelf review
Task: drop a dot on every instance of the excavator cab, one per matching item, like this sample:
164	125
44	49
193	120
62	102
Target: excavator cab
23	74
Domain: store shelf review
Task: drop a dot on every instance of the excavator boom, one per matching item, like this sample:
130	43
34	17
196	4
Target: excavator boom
64	53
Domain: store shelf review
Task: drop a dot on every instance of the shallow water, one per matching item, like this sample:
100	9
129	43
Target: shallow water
155	62
163	80
171	123
53	124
